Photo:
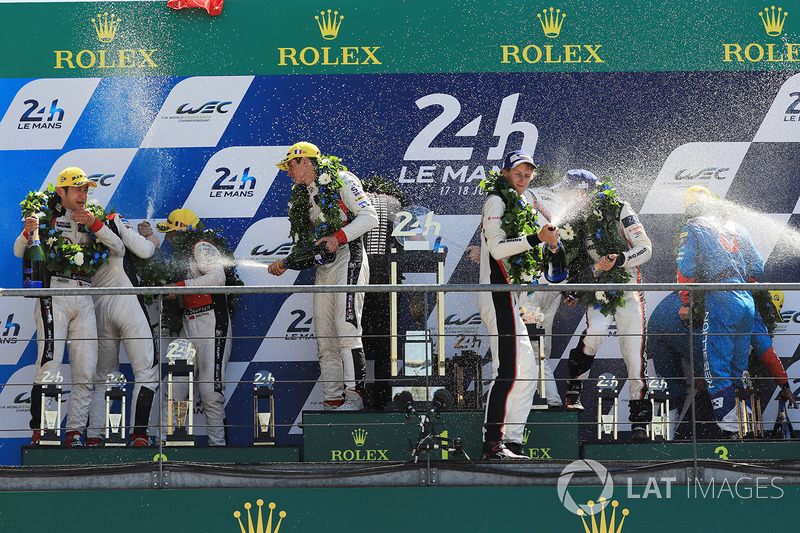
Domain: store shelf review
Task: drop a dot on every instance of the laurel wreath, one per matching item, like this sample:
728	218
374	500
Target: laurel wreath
380	185
599	225
304	231
178	269
61	255
518	219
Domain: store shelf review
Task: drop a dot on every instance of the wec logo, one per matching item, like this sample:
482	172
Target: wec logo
282	249
208	107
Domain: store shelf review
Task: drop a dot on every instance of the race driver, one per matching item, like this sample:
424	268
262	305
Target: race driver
514	368
337	316
714	249
68	318
124	317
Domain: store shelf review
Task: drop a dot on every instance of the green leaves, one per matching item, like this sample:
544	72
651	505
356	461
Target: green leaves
303	230
597	226
62	255
518	220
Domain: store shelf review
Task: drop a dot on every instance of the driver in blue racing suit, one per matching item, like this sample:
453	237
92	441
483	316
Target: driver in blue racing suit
714	249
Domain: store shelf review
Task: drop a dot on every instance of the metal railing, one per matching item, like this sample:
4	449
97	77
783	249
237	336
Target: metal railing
424	288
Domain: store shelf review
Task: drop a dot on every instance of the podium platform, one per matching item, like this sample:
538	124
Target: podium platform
724	450
54	455
329	436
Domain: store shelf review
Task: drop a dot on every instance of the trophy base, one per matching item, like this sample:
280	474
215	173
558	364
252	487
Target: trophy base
539	403
180	441
263	441
180	437
111	442
50	438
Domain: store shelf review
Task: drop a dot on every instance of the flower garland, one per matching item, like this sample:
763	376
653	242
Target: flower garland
178	269
599	227
61	255
303	230
518	220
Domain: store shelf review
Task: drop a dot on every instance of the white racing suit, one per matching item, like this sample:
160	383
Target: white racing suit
67	318
514	369
545	205
337	316
206	322
124	317
630	319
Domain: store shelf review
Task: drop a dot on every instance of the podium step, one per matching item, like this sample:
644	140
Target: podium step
53	455
329	436
727	450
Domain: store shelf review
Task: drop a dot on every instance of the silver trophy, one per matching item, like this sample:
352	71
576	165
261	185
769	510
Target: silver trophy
180	392
536	336
659	400
115	422
263	409
50	415
607	400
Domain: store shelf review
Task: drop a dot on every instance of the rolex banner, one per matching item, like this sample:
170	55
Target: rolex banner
167	109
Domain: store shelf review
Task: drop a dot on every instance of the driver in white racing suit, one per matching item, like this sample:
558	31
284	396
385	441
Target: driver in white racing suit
337	316
68	318
124	317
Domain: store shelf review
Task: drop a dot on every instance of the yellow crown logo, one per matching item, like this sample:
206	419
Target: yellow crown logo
551	22
525	434
329	27
773	23
604	526
106	28
259	527
360	436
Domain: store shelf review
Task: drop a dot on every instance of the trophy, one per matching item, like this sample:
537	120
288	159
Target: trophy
115	422
263	409
750	423
466	398
180	417
51	417
659	400
536	333
422	252
607	392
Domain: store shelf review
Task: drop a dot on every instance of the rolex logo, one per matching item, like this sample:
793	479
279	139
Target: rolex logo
525	434
106	27
329	27
259	525
360	436
551	22
773	23
604	527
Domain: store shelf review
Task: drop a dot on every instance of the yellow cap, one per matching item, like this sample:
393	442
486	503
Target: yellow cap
301	149
695	193
73	177
776	297
180	220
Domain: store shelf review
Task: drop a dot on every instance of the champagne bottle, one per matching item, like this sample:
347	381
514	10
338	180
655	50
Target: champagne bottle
556	259
33	264
783	426
306	257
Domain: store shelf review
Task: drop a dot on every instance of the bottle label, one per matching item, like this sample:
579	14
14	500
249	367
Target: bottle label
30	284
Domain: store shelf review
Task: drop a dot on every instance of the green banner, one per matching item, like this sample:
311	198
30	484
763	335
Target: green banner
105	39
654	508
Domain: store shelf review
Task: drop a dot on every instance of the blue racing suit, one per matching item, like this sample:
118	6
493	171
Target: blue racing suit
715	250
